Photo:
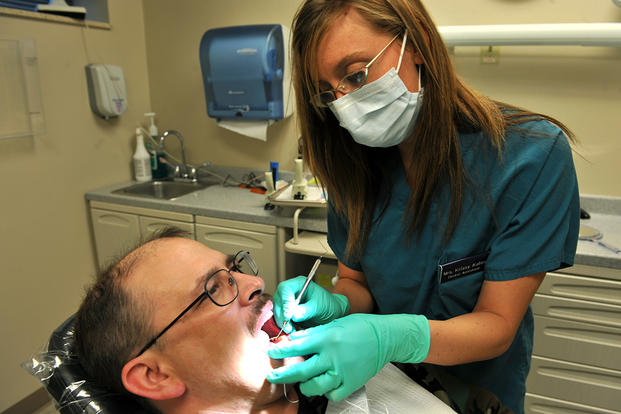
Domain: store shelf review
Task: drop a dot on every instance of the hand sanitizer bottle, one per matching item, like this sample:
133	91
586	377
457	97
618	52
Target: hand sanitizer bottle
142	159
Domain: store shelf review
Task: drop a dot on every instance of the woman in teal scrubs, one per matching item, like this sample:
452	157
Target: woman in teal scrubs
446	210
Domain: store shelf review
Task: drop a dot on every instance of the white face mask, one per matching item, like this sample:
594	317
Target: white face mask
381	113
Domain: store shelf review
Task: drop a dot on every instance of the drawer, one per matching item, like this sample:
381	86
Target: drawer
537	404
577	310
235	224
141	211
579	342
575	383
151	225
262	247
579	287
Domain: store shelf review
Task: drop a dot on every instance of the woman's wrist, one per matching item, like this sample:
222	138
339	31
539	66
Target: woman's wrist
343	304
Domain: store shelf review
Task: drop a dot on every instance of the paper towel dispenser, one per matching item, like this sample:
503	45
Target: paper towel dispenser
244	72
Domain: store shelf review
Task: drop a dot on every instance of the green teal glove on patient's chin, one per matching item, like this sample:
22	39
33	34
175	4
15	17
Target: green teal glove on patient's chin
350	351
317	307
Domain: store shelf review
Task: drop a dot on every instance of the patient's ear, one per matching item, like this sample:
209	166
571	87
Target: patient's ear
147	377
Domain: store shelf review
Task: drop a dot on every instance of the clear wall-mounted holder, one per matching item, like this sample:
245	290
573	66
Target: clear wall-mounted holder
21	108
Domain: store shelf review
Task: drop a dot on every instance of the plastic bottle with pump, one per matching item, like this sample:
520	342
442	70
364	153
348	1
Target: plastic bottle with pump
142	159
158	168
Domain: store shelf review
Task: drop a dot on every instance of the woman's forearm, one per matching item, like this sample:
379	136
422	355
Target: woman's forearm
466	338
360	299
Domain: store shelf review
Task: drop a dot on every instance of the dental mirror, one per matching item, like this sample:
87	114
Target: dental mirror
593	235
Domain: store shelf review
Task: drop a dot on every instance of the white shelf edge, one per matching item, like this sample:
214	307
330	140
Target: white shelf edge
311	244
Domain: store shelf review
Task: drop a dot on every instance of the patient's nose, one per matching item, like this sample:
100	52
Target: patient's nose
249	287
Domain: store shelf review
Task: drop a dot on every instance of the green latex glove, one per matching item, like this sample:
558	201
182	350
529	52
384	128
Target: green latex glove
350	351
318	306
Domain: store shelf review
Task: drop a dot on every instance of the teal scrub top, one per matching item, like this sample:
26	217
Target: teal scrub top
520	216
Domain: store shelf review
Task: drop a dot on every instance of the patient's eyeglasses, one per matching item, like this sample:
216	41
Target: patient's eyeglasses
220	287
350	82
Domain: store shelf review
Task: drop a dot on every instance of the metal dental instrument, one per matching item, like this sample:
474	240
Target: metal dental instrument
309	278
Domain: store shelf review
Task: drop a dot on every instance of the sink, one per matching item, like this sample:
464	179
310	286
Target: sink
162	189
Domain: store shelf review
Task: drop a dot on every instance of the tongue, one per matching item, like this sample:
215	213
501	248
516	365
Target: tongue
270	327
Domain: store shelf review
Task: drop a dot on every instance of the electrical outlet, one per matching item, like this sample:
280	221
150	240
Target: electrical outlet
490	55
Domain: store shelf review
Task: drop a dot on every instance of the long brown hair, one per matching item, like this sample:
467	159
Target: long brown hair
352	173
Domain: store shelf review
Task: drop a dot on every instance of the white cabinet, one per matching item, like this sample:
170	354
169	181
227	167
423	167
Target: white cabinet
230	236
576	366
115	233
118	228
150	225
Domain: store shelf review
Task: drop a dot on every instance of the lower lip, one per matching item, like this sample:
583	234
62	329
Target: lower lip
272	341
265	339
264	336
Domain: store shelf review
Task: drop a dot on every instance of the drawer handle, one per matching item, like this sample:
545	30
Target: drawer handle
586	315
234	239
605	294
113	219
582	377
585	335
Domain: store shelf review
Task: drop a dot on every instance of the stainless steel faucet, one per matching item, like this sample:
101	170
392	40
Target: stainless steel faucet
188	172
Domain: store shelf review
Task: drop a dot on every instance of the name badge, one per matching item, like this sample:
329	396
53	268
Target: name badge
462	267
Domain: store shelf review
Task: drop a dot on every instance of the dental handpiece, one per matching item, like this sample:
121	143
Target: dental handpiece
309	278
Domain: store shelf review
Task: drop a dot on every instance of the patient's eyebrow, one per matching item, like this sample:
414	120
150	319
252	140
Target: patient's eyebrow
200	282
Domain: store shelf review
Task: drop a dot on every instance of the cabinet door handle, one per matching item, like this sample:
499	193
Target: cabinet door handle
113	219
577	310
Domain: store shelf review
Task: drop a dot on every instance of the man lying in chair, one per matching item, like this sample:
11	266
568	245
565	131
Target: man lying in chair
178	326
211	357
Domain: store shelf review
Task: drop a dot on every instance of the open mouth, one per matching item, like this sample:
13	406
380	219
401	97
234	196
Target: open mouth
267	323
270	327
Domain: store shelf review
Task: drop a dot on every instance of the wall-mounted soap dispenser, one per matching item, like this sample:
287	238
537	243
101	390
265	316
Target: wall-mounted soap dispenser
106	89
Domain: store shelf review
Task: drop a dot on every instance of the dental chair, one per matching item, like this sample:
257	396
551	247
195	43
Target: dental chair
59	370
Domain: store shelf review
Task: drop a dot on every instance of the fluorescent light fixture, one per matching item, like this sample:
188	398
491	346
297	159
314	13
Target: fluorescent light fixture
567	34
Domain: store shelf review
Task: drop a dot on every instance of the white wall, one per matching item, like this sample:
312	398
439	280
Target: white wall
580	86
174	31
46	255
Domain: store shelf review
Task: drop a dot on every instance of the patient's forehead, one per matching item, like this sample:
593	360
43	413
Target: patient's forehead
172	263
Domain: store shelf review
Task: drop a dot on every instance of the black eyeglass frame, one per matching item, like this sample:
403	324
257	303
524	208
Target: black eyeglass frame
235	267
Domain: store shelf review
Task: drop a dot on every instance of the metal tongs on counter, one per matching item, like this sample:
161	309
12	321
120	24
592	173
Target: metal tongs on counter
309	278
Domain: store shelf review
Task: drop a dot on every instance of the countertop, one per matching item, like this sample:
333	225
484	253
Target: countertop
605	215
230	202
227	202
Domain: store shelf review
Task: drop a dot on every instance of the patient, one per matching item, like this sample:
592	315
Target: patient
213	358
178	326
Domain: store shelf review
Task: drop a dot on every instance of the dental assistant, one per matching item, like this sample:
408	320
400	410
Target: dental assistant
446	208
